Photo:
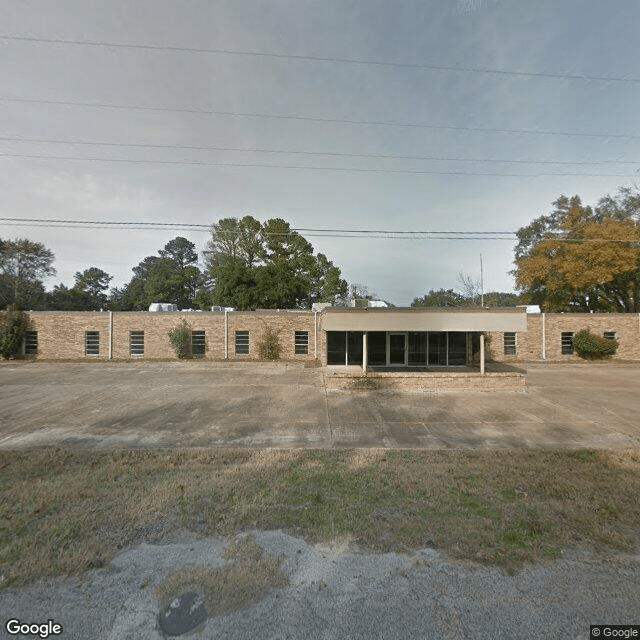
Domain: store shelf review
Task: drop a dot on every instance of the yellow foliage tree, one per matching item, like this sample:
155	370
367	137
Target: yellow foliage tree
583	259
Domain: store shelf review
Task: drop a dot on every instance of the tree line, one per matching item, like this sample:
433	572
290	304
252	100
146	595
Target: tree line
247	265
576	258
469	294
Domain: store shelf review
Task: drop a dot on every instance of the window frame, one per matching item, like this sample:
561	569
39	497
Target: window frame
136	343
198	344
30	343
301	343
610	335
242	347
92	347
510	343
566	343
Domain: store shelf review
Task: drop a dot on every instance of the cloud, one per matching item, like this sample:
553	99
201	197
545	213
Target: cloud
469	6
93	197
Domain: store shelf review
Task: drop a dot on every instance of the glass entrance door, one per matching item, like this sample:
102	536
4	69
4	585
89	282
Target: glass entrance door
397	348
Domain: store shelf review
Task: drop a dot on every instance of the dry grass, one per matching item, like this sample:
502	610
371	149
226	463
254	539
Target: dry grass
246	579
64	512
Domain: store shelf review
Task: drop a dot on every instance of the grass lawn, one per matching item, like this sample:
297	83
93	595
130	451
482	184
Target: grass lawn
63	512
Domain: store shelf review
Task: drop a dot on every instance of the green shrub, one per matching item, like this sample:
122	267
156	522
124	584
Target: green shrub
180	338
593	347
269	346
13	325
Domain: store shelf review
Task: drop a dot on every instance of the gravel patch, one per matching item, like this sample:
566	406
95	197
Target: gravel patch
334	591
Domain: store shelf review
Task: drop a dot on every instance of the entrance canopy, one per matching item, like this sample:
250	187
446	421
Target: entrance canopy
434	319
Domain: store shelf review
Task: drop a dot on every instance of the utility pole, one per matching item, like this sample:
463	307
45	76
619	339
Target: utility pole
481	284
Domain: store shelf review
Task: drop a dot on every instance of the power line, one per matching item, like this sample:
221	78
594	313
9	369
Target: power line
109	222
324	59
310	235
100	143
311	168
363	231
87	226
387	234
377	123
342	233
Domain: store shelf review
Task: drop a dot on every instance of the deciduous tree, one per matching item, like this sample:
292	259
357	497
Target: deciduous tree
23	266
233	239
583	259
268	266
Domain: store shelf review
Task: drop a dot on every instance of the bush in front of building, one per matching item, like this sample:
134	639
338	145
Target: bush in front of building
180	338
592	347
269	346
13	325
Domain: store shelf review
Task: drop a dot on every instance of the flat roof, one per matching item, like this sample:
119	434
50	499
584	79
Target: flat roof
423	319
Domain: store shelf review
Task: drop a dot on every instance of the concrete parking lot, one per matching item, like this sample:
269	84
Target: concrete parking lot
332	591
186	404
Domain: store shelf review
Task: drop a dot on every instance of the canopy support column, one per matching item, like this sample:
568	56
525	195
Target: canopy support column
364	351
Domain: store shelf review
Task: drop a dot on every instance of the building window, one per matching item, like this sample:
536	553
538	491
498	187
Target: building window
437	348
336	347
610	335
31	343
302	343
417	347
354	347
136	343
566	342
197	344
509	343
456	348
344	347
242	343
91	343
377	348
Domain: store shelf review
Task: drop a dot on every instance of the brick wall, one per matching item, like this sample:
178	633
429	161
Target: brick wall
286	323
61	334
425	382
529	343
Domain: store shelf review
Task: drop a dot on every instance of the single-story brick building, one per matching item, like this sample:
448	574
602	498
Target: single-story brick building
369	337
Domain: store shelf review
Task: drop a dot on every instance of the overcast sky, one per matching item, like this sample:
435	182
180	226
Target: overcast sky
475	180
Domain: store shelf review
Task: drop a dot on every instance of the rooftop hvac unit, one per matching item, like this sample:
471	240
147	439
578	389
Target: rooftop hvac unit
162	306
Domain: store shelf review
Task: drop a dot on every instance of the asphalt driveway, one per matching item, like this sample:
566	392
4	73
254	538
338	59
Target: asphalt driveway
180	404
